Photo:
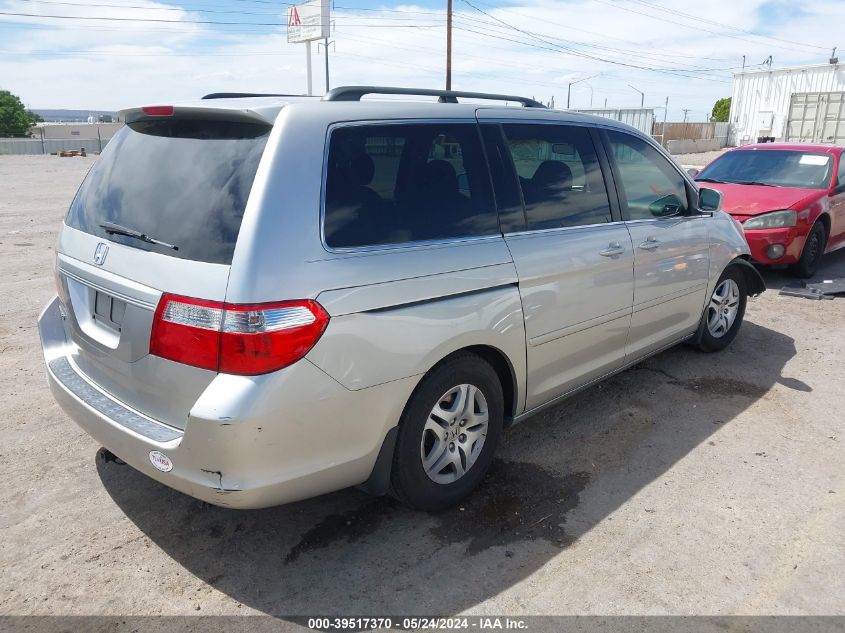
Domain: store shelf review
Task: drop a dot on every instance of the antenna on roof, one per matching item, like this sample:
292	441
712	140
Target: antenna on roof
833	58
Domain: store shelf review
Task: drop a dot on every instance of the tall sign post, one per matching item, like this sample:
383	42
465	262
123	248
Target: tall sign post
307	22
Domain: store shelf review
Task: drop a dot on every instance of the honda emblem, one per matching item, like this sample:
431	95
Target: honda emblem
100	253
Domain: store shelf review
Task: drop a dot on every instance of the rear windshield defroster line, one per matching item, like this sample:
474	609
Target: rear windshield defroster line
185	182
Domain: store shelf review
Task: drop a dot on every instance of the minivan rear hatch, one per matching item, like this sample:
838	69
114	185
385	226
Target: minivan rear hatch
159	212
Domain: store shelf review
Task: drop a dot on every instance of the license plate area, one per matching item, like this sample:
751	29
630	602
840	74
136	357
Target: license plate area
108	311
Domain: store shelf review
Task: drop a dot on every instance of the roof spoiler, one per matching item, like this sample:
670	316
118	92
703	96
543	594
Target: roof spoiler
163	113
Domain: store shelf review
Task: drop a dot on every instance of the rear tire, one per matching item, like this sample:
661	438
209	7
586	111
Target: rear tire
448	434
724	312
812	253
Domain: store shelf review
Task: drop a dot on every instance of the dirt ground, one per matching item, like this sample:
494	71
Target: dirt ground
690	484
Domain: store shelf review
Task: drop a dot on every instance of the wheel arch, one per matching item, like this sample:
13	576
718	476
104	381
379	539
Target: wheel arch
379	481
824	218
503	367
754	282
501	364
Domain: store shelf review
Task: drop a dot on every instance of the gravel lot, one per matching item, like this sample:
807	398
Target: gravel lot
690	484
698	160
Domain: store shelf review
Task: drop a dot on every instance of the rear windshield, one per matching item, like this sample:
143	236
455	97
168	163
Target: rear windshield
181	182
773	167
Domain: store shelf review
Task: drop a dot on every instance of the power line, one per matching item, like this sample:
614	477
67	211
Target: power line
577	53
558	50
648	58
603	36
149	8
186	9
90	53
163	20
674	11
699	28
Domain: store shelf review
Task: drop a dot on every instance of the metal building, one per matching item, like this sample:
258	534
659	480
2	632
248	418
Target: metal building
640	118
802	103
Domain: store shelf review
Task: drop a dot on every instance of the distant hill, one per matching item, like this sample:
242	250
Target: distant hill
72	116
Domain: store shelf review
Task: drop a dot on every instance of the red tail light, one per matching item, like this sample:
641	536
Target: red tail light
245	339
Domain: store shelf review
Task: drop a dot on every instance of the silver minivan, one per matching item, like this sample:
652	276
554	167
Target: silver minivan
265	298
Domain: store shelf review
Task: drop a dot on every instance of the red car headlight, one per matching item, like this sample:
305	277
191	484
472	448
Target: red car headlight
773	220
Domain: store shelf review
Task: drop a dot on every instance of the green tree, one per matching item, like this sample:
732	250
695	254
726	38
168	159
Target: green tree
721	110
15	119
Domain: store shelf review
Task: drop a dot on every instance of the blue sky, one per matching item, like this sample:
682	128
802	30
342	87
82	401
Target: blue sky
108	54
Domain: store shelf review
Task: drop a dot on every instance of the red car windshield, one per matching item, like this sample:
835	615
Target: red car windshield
772	167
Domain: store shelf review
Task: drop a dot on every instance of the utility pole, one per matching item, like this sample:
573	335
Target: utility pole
642	96
665	114
686	112
448	44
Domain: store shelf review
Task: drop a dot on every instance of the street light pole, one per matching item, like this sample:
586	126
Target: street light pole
572	83
642	96
327	64
325	45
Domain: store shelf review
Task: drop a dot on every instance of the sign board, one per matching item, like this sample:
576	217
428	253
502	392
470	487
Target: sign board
308	21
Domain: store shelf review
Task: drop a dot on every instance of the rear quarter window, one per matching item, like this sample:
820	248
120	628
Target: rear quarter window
401	183
183	182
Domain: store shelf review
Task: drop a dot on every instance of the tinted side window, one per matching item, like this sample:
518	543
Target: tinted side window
559	173
651	187
391	184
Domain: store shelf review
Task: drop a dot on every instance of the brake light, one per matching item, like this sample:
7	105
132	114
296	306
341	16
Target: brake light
246	339
158	110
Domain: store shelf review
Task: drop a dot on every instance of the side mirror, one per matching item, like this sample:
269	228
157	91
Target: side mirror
693	172
666	207
709	199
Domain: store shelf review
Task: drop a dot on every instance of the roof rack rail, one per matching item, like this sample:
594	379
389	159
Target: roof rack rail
241	95
354	93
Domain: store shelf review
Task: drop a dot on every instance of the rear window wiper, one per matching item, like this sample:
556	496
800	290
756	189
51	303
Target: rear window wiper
116	229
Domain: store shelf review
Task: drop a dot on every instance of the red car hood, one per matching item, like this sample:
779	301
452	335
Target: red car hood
756	199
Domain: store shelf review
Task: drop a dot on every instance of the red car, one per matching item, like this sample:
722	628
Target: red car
790	199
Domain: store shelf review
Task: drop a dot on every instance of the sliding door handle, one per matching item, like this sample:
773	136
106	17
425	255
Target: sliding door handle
613	249
650	244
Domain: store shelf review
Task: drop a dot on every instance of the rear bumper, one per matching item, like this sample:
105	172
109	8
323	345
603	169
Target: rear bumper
789	238
248	442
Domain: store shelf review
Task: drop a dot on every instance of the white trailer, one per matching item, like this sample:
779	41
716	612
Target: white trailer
803	103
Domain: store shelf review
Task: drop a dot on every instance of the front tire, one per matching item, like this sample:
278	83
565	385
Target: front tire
724	312
448	434
812	252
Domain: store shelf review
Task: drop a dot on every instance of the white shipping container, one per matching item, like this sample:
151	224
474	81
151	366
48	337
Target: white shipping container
760	101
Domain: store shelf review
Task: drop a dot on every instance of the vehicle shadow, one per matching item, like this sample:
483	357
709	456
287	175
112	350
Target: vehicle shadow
558	475
832	266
